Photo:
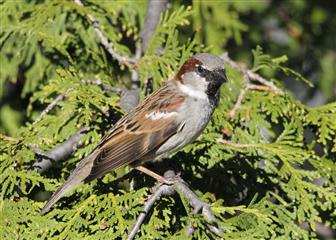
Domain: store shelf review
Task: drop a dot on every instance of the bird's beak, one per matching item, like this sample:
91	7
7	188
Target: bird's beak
221	75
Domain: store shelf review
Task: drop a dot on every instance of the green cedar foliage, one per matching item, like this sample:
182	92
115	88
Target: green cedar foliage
263	184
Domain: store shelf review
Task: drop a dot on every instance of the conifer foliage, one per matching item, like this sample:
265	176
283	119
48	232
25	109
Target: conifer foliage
253	166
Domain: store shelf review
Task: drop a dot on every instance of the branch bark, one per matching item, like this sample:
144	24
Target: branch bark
182	188
236	145
105	87
130	98
60	152
105	42
161	190
233	111
52	105
248	76
153	13
198	205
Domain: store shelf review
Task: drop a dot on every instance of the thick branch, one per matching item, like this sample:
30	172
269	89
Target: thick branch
130	98
60	152
182	188
154	10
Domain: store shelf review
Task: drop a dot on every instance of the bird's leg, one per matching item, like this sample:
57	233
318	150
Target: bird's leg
158	177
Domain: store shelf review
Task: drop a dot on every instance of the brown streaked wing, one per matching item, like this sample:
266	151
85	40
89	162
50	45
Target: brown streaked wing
165	99
134	136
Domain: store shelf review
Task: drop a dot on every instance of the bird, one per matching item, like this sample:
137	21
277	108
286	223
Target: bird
166	121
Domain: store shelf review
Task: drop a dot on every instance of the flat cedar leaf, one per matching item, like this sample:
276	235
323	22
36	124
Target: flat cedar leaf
260	174
264	61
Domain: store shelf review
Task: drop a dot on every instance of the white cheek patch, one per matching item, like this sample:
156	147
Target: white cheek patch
160	115
192	92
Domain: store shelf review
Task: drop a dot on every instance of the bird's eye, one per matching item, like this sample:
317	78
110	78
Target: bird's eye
200	69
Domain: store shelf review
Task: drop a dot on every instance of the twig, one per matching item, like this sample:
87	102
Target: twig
242	94
161	190
198	205
237	104
60	152
105	87
7	138
52	105
182	188
250	74
260	87
104	41
236	145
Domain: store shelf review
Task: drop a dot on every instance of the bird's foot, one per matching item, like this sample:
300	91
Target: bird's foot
169	177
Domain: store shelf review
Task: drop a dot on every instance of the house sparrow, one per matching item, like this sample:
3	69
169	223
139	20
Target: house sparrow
163	123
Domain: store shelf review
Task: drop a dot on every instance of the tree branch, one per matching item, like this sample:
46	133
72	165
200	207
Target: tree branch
52	105
198	204
60	152
260	87
237	104
130	98
248	75
104	41
105	87
182	188
159	191
236	145
153	13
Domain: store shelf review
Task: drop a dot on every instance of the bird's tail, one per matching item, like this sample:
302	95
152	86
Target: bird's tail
78	175
64	188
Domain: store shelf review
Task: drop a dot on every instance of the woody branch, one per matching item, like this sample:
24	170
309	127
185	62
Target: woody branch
248	76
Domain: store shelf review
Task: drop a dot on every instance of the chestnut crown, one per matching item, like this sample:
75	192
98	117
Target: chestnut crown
203	72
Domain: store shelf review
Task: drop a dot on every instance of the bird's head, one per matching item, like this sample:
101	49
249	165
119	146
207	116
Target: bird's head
202	75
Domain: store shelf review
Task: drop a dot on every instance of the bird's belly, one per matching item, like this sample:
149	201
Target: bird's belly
192	128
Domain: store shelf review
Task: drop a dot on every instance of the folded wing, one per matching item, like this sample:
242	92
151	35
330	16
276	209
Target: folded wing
138	134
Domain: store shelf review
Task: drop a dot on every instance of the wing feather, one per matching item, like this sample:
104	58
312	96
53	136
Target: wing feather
135	136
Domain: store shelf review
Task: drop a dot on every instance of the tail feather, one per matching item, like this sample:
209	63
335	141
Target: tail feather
59	193
78	175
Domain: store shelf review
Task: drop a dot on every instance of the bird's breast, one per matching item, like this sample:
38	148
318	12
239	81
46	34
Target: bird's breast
195	115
